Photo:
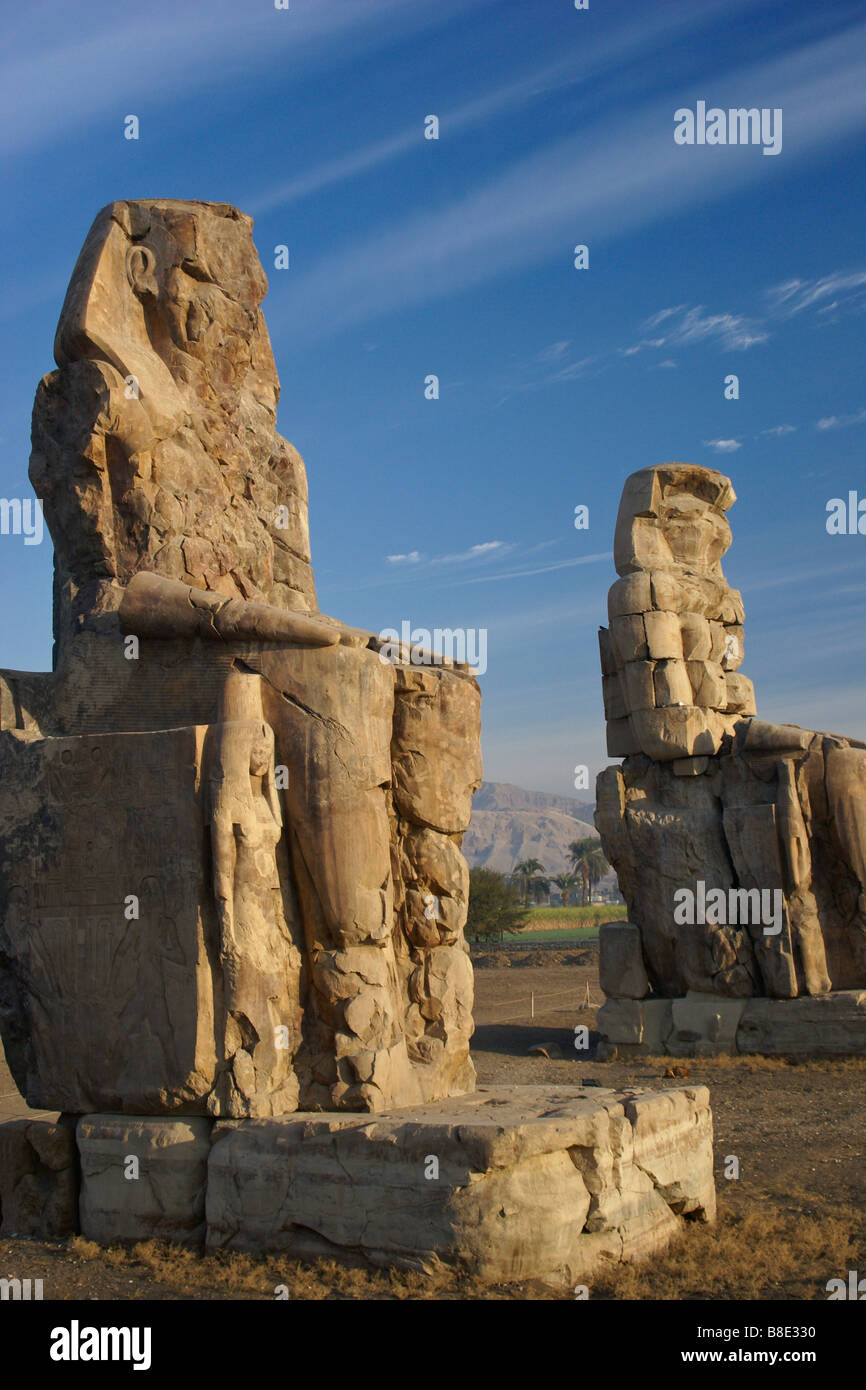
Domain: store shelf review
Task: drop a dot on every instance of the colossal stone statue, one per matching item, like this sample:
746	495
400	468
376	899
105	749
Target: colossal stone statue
231	883
768	819
230	871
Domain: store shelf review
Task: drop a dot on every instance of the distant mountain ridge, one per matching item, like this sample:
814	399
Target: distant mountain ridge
505	796
510	823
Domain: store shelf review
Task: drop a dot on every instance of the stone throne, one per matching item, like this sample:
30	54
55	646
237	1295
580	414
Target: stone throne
710	795
231	878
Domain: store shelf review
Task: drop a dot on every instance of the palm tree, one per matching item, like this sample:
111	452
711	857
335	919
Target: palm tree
520	879
528	874
597	867
565	883
589	863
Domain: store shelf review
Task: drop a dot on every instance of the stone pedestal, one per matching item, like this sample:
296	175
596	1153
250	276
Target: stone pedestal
706	1025
828	1025
509	1183
38	1180
525	1182
143	1179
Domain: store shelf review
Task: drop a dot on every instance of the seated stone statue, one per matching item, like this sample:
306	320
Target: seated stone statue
224	816
709	797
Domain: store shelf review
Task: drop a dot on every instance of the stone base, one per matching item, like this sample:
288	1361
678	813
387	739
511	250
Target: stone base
823	1025
509	1183
525	1182
706	1025
143	1179
38	1180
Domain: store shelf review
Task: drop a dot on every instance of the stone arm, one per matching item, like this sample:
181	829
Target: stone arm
153	606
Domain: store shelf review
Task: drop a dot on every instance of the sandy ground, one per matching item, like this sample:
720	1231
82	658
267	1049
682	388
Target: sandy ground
792	1126
794	1218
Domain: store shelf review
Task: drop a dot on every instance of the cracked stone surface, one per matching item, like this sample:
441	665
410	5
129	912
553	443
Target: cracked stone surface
708	792
38	1179
509	1183
230	871
143	1179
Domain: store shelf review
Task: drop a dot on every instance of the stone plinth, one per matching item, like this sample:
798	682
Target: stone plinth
829	1025
38	1180
528	1182
707	1025
143	1179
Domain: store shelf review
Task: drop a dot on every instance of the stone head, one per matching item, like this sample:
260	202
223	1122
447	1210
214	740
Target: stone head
169	293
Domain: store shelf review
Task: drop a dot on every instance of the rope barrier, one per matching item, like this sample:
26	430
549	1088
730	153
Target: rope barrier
560	994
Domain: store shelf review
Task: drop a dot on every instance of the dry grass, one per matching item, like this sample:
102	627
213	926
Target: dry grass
743	1062
241	1275
766	1252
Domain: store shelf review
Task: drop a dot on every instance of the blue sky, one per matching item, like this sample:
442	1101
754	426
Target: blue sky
454	257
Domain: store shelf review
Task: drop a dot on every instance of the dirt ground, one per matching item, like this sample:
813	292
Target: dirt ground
793	1219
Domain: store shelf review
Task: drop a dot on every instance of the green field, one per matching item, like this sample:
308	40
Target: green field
592	912
564	934
564	924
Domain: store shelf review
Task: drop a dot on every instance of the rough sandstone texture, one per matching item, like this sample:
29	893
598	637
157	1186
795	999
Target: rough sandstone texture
708	792
143	1179
230	871
526	1182
38	1180
506	1184
232	893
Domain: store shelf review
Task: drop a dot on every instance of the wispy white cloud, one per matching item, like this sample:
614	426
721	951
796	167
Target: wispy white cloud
607	53
839	422
348	166
685	326
542	569
554	352
68	68
841	287
779	431
547	367
432	571
723	446
607	179
484	551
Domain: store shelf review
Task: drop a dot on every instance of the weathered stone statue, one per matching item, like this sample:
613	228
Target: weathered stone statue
231	879
740	846
231	885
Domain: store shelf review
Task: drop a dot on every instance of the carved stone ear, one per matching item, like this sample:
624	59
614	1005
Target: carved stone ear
140	267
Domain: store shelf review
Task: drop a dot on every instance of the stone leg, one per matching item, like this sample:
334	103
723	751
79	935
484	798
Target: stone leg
797	861
845	780
331	711
436	767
